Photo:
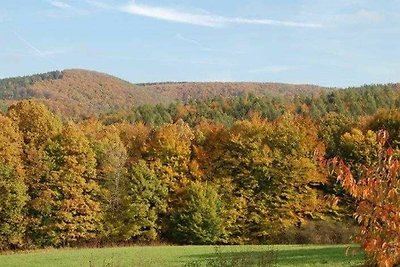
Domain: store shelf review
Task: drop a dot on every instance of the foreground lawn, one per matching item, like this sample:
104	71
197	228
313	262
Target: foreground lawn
279	255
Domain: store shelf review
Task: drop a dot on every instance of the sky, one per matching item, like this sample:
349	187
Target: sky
331	43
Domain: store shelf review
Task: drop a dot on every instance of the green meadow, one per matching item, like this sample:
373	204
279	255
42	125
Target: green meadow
262	255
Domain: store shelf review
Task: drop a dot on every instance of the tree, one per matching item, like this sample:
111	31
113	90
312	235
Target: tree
13	196
378	203
111	158
37	127
36	123
134	138
74	211
358	148
78	212
288	192
241	169
197	218
138	206
330	128
388	119
170	153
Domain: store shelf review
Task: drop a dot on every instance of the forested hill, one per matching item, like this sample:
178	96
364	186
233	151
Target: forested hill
77	93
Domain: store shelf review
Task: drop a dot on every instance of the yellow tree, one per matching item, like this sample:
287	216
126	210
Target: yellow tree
37	126
288	189
13	195
169	153
79	213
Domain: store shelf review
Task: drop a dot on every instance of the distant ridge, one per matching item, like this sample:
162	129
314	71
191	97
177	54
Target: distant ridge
82	93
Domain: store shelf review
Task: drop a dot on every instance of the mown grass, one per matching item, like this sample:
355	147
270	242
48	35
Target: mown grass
279	255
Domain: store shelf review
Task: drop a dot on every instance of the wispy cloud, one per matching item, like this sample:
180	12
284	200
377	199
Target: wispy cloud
44	54
169	14
28	44
60	4
200	19
63	9
271	69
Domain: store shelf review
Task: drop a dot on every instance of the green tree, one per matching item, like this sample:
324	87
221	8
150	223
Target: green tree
197	218
244	163
138	206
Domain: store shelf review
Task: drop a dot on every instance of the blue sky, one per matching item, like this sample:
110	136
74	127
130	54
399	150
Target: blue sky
325	42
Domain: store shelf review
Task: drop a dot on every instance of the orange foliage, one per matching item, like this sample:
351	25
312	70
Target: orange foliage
378	210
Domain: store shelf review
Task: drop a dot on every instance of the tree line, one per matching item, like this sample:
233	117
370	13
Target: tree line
350	102
67	183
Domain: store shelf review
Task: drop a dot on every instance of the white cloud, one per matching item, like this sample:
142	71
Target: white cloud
170	14
60	4
205	19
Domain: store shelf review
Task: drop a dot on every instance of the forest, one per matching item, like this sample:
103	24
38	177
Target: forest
238	170
79	93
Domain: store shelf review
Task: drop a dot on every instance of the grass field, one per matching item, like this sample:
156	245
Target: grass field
279	255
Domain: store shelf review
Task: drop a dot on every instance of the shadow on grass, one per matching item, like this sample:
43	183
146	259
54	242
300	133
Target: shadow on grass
296	255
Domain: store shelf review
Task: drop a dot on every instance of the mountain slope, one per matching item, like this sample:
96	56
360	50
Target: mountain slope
80	93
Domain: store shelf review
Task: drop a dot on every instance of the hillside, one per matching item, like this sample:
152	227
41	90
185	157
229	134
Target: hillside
191	90
77	93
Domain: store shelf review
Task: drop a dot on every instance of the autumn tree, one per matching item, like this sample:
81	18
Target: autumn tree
37	126
67	208
135	138
388	119
378	203
289	189
36	123
75	211
13	196
170	154
241	169
358	148
111	158
330	128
